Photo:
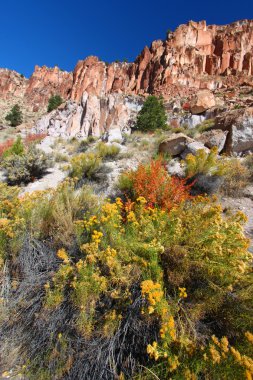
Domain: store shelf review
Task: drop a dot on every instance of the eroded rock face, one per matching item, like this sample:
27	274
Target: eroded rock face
45	82
110	115
12	84
195	56
192	64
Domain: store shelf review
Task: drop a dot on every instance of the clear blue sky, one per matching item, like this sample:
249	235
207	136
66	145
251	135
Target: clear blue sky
60	32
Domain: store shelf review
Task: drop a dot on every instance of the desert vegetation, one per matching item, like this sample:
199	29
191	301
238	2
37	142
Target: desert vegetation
152	115
156	283
21	161
54	102
14	117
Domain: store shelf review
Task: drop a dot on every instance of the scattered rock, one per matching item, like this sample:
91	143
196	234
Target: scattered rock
174	168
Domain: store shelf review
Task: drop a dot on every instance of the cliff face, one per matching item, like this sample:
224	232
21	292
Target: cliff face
195	56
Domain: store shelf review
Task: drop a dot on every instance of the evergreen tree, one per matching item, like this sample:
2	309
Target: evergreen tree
152	115
15	116
54	102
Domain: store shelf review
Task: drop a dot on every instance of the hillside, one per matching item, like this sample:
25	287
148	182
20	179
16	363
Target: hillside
126	214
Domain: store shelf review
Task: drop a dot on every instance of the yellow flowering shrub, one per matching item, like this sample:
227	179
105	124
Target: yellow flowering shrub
204	163
171	290
85	165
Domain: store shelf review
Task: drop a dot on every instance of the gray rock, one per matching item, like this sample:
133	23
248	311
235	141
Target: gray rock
113	114
174	168
215	137
193	147
175	144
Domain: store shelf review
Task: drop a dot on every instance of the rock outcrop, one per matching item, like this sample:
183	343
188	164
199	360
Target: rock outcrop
193	66
195	56
12	84
110	115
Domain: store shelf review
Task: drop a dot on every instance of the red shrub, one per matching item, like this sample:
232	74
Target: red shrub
159	189
6	145
34	137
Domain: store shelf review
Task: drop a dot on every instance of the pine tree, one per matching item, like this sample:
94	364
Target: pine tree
15	116
54	102
152	115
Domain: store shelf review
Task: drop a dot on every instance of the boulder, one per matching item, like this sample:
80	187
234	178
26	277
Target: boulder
239	125
175	144
215	137
203	101
192	148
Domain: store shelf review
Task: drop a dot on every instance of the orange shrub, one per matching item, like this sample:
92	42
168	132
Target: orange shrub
6	145
153	182
34	137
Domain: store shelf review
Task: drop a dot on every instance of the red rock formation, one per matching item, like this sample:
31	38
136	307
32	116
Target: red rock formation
195	56
11	84
45	82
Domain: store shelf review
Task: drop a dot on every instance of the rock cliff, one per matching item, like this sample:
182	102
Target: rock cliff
195	56
196	67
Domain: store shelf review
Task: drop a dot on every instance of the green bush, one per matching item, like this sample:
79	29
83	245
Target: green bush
25	167
85	165
152	115
107	151
15	116
54	102
17	148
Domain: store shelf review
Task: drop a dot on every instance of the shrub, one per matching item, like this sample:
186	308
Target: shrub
204	163
237	177
152	115
153	182
54	102
61	157
144	288
204	171
107	151
15	116
248	163
85	165
5	146
25	167
34	138
17	148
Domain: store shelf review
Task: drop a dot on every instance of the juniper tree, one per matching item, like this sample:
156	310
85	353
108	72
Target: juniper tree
54	102
152	115
15	116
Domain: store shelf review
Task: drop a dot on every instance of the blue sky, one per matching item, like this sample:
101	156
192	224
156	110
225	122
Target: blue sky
60	32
